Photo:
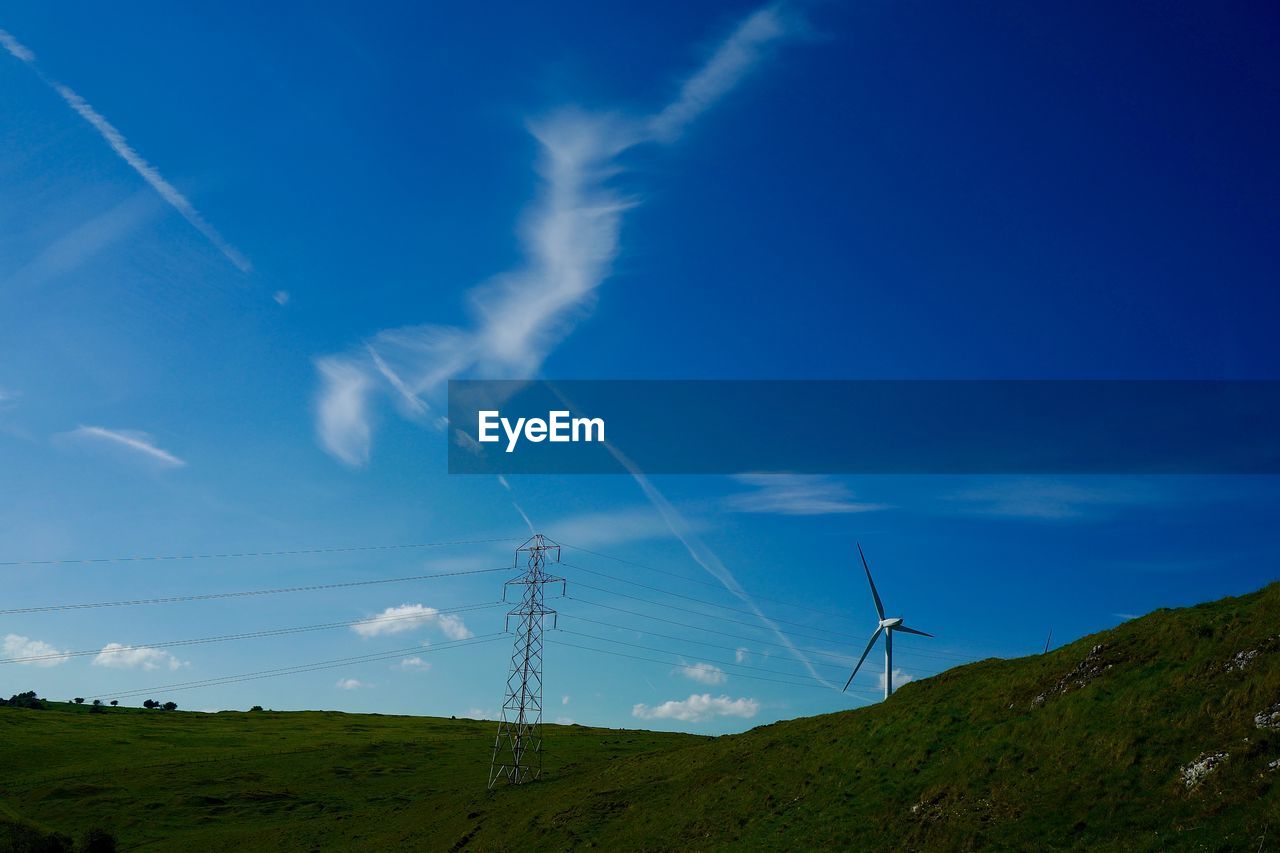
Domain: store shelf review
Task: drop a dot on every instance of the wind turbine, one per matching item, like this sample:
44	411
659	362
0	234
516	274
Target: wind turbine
887	626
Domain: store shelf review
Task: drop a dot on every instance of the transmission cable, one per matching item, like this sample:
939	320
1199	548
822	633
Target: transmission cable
835	666
249	635
245	593
307	667
788	634
841	656
809	685
712	584
228	556
658	589
707	583
680	654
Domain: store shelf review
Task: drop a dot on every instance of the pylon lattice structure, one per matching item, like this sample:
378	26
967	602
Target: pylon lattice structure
517	750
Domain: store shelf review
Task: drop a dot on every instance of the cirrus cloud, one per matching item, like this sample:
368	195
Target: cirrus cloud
796	494
570	237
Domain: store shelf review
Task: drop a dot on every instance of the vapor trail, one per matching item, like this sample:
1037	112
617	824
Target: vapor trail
707	558
126	152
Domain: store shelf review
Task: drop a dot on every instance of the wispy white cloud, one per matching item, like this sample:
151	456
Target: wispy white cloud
351	684
704	673
120	656
410	617
1053	500
570	238
796	494
614	527
732	60
564	700
29	652
137	443
84	242
116	140
899	678
480	714
342	410
697	708
415	664
740	654
281	297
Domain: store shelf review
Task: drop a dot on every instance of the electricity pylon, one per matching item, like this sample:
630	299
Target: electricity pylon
517	750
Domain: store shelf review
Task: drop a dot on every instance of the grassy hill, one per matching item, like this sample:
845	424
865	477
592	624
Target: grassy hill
1154	735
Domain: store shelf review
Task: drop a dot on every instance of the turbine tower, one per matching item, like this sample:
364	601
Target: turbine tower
887	627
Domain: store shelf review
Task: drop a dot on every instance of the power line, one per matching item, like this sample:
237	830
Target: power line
713	585
754	625
698	612
682	639
244	593
228	556
716	585
841	667
755	613
249	635
309	667
808	685
681	654
753	641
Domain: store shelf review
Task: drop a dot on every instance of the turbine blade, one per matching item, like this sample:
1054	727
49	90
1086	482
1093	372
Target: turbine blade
905	629
865	652
874	594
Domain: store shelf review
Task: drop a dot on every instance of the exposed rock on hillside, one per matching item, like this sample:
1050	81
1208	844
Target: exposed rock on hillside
1268	719
1197	771
1093	665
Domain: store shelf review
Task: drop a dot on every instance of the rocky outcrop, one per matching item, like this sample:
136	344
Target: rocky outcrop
1197	771
1093	665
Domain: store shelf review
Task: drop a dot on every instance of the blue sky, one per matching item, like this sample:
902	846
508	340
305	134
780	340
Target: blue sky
240	251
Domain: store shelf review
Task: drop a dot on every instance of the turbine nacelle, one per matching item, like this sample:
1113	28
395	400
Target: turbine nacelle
891	623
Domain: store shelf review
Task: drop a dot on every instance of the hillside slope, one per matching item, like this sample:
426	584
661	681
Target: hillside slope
1109	742
1155	735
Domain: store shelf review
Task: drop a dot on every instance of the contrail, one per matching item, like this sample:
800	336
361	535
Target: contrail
503	480
126	152
707	558
697	549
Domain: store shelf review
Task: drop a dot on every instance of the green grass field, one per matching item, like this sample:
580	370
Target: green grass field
1081	748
